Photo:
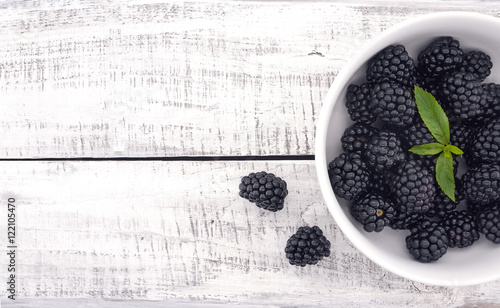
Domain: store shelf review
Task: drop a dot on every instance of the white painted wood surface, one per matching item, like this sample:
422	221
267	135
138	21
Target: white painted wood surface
171	78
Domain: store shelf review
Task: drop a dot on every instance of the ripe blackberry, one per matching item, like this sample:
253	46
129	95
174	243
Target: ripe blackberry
383	151
265	190
488	222
391	64
394	104
356	137
402	220
491	99
441	56
484	146
477	62
307	246
460	228
460	136
416	134
414	186
427	241
373	211
464	96
442	204
481	185
358	103
348	175
377	183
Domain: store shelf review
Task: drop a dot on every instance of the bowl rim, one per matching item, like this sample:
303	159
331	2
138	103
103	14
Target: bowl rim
321	161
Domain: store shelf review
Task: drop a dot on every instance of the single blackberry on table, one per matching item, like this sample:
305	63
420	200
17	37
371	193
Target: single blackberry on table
477	62
391	64
356	137
491	99
358	103
373	211
264	189
488	222
348	175
441	56
481	185
383	151
427	241
413	186
464	96
394	104
461	229
307	246
484	146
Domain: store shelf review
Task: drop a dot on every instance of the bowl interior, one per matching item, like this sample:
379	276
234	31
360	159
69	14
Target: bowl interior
472	265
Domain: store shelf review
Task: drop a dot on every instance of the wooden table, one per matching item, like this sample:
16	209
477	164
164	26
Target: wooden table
127	125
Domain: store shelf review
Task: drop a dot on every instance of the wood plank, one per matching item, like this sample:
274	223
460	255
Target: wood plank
174	232
147	78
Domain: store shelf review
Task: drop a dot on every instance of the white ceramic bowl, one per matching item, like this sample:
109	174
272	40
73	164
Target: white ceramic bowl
468	266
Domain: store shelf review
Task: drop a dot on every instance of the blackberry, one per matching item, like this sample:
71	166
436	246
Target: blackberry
477	62
481	185
460	136
484	146
427	241
358	103
441	56
461	229
348	175
414	187
377	183
491	99
265	190
391	64
394	104
402	220
416	134
442	204
464	96
373	211
430	84
383	151
356	137
488	222
307	246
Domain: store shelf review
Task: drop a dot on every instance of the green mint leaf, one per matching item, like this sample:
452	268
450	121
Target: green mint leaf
444	175
447	153
453	149
427	149
433	115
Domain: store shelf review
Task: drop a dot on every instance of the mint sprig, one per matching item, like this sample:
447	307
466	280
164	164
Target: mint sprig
437	122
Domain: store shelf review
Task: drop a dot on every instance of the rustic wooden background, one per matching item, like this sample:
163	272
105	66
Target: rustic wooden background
122	104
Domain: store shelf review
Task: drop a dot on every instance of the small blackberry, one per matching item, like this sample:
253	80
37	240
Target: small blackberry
481	185
427	241
394	104
477	62
373	211
414	186
265	190
348	175
484	146
441	56
460	228
383	151
491	99
391	64
488	222
356	137
307	246
358	103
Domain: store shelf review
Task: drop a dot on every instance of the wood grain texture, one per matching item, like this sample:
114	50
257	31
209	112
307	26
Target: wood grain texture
94	233
155	78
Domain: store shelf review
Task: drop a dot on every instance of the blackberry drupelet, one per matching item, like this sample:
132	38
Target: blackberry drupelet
427	241
477	62
383	151
373	211
394	104
481	185
348	175
414	187
356	137
265	190
484	146
307	246
488	222
461	229
391	64
358	103
441	56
